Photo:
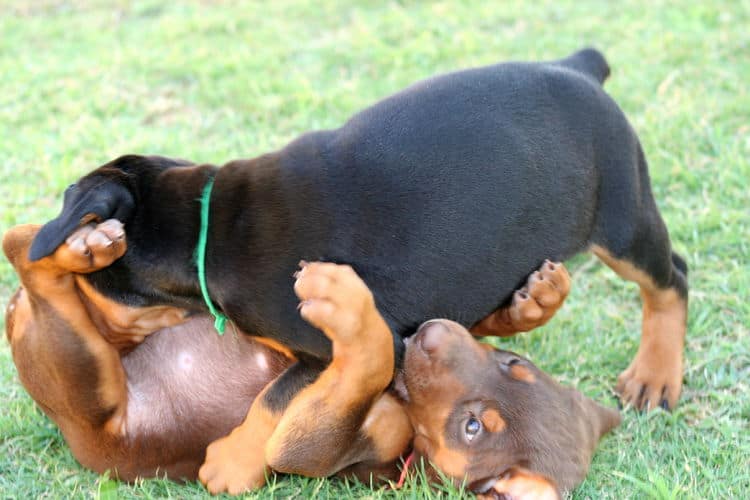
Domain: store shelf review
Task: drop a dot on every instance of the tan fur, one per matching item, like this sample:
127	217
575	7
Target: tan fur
532	306
656	371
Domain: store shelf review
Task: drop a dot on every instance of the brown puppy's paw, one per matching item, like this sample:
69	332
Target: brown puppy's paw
232	466
520	484
544	293
651	381
91	247
336	300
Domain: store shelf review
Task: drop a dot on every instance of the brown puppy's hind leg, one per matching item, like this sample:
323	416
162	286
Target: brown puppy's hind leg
532	306
235	463
59	348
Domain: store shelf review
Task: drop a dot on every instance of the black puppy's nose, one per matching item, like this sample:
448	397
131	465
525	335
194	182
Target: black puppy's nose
432	335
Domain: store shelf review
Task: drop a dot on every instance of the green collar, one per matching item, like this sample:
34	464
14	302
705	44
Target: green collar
200	258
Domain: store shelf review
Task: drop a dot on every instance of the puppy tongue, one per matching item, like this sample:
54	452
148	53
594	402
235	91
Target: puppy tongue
404	471
398	387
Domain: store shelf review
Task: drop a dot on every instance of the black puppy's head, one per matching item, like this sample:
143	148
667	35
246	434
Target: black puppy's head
111	191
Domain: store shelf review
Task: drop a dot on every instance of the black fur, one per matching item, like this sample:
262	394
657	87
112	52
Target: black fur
443	197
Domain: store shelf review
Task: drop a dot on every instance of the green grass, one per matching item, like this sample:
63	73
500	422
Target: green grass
210	81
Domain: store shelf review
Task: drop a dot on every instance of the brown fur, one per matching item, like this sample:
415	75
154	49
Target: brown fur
152	411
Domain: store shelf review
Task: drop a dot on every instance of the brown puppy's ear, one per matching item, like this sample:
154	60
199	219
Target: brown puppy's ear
106	199
517	483
603	419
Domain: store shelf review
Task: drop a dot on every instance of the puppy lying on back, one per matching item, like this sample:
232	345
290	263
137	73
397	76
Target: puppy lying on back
143	391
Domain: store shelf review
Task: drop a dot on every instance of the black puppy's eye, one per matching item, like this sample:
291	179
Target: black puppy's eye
472	428
512	361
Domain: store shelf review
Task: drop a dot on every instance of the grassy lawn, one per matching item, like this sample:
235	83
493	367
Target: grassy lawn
85	81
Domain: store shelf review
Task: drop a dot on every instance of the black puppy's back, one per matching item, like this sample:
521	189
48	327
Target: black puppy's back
443	196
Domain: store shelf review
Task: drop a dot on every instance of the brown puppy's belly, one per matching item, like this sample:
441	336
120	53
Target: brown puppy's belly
188	386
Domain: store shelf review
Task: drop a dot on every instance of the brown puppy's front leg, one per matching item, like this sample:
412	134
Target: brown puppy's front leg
532	306
314	433
340	419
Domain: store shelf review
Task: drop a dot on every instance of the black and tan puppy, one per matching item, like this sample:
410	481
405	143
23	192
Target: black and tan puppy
443	197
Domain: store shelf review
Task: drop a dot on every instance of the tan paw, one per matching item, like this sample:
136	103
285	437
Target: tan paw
91	247
544	293
336	300
531	306
232	466
651	381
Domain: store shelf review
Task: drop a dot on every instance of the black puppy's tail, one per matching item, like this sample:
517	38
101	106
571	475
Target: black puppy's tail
588	61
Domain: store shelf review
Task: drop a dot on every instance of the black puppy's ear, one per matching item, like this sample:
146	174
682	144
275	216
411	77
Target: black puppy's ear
109	199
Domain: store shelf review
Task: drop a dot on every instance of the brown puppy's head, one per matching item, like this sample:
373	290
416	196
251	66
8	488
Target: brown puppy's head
479	412
109	192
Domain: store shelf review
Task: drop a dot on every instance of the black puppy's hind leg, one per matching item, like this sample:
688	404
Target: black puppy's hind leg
632	239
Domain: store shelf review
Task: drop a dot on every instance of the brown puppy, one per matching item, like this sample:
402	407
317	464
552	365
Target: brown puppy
154	409
145	411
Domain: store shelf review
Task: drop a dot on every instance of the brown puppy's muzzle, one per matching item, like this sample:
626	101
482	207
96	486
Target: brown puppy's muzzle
431	336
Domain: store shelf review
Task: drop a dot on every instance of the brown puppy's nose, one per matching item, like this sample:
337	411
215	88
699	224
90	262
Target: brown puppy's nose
433	335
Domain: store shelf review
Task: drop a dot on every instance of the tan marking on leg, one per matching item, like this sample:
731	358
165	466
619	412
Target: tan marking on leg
655	373
48	282
276	346
388	427
125	326
332	410
236	463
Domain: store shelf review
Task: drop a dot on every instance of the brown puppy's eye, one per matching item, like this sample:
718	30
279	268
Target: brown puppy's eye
472	428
